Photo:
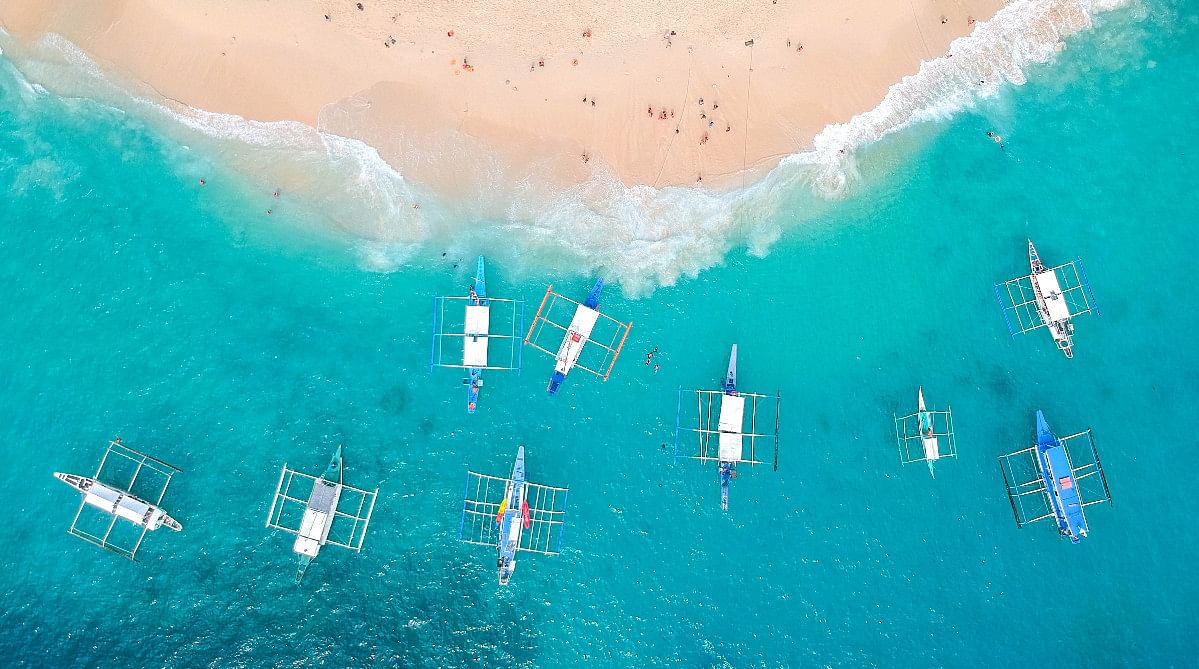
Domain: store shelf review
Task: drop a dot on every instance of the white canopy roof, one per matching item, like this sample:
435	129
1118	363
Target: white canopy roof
478	318
116	502
1052	292
576	337
732	419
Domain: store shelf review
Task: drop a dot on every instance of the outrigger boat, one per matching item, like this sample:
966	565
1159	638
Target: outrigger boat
928	428
476	334
320	511
528	517
1048	298
118	502
1058	481
577	335
731	437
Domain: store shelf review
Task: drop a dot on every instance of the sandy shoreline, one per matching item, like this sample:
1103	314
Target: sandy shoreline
551	93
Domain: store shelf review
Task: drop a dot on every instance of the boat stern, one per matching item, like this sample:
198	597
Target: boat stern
555	382
474	383
504	569
727	471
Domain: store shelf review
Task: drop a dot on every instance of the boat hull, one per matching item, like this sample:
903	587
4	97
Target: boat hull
119	503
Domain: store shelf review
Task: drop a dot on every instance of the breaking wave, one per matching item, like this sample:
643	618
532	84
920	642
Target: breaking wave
639	236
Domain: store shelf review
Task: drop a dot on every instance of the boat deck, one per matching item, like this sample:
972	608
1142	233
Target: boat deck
577	334
474	346
731	424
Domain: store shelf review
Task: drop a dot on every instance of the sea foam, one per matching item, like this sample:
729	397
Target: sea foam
639	236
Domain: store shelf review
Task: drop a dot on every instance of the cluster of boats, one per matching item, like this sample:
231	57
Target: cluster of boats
511	514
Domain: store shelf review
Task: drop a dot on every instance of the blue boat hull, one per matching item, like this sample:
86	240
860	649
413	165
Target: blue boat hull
1059	482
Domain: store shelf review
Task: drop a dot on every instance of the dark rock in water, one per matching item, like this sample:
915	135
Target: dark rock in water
395	400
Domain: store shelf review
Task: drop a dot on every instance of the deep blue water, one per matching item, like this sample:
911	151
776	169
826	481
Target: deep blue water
227	342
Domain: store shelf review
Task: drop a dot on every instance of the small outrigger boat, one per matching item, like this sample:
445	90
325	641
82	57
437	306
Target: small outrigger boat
932	449
513	518
1058	475
928	428
119	503
476	331
1051	303
318	516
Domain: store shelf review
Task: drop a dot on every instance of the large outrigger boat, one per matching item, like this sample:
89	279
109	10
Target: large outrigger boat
117	501
728	448
320	510
577	335
476	334
1057	480
1048	298
528	517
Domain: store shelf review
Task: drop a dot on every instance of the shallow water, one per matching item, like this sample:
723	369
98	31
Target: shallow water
227	342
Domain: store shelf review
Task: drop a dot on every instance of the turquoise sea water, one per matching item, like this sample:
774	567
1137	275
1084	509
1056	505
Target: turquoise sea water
226	341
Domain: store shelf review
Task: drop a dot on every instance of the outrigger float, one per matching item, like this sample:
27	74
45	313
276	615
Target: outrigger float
725	442
1047	298
577	335
1056	480
476	335
320	512
118	501
512	515
925	436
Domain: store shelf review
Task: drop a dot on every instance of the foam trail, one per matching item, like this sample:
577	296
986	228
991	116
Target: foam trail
639	236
